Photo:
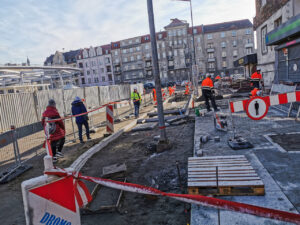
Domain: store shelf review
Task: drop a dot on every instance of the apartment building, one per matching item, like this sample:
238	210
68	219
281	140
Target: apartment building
216	47
97	66
270	15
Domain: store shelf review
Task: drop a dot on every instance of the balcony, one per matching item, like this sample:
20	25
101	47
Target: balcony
211	59
148	58
211	69
210	49
249	45
171	67
119	71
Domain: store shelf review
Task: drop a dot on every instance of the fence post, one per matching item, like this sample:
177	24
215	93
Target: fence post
73	128
15	144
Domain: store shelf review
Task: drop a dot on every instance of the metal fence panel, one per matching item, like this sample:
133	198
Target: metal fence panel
104	94
92	97
69	96
11	112
28	107
42	98
57	95
113	93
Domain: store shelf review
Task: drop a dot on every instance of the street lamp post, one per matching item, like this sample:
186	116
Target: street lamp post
160	110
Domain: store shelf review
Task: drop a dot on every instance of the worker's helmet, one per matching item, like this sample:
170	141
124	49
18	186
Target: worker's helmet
208	75
77	98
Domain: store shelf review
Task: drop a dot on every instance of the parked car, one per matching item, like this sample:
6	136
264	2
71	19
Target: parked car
171	83
148	85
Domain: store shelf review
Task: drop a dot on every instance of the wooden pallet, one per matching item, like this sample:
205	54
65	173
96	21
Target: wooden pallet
223	175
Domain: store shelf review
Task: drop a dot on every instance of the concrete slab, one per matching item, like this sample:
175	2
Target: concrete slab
277	169
145	126
274	198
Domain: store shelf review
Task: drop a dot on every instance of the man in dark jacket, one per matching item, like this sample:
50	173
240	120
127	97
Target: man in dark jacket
79	108
58	132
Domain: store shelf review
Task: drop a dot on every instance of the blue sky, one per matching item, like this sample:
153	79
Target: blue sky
37	28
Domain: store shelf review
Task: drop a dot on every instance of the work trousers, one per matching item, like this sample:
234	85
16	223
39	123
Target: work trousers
136	108
255	84
208	95
86	125
57	145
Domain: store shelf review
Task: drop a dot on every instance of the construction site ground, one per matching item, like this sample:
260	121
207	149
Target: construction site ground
11	208
276	166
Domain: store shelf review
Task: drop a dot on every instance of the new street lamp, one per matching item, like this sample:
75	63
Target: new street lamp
194	64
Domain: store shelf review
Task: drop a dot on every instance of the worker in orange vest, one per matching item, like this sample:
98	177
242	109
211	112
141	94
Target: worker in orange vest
218	78
154	94
170	90
256	79
255	92
163	94
187	89
208	92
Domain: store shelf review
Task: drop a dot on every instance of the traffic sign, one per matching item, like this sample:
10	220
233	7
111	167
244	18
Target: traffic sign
257	108
54	203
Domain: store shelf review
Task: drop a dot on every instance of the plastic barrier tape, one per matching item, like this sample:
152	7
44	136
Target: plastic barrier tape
192	199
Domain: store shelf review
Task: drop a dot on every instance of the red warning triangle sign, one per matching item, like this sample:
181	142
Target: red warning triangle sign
60	192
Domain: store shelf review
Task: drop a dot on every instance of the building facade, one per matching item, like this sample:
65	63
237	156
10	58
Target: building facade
97	66
270	14
217	46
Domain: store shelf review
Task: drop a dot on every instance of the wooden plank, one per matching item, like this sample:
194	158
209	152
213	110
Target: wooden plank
242	168
222	175
218	157
218	161
221	164
222	172
204	179
225	183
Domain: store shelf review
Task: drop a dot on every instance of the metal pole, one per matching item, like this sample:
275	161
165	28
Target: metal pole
194	67
160	110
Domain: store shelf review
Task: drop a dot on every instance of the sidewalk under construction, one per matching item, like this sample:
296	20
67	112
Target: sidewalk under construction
274	161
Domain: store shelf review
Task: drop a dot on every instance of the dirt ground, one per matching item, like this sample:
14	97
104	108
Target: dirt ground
146	168
11	207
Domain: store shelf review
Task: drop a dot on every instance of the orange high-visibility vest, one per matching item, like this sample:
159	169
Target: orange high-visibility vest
256	76
218	77
207	84
154	94
254	92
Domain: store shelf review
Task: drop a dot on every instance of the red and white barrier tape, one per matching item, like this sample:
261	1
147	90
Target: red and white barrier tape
192	199
271	100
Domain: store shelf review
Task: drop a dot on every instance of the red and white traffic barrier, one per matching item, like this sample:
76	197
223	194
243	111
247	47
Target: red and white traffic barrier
193	199
110	119
271	100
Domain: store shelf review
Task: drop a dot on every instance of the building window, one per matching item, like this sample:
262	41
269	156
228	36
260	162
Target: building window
125	59
222	34
116	52
210	45
102	70
233	33
137	40
108	69
235	53
80	65
146	38
115	45
138	48
170	33
124	51
88	72
264	48
109	77
163	44
198	39
94	71
103	79
248	32
234	43
170	53
211	65
140	74
164	55
147	46
117	60
106	51
195	31
160	36
209	36
223	54
139	57
79	57
96	79
148	55
277	22
249	51
210	55
107	60
130	41
224	64
86	64
180	42
223	44
89	80
131	58
175	52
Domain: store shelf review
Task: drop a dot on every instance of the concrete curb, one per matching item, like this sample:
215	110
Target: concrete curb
82	159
